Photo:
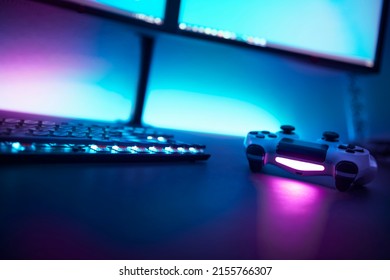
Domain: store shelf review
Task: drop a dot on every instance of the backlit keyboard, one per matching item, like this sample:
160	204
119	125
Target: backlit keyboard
47	140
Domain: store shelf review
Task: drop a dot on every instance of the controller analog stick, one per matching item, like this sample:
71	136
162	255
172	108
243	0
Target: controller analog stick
287	129
330	136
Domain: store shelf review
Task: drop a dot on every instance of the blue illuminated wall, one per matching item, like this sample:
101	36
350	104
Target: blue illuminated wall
63	63
374	95
60	62
218	88
203	86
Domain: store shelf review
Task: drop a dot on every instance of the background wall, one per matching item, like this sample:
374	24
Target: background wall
217	88
233	90
64	63
375	94
60	62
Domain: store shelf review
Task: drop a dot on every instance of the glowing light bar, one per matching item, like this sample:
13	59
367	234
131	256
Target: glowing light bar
299	165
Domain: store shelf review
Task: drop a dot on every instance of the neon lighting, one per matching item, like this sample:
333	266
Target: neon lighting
150	11
94	147
16	145
229	114
325	28
299	165
153	149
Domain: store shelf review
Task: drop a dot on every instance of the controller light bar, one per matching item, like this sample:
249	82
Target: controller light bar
299	165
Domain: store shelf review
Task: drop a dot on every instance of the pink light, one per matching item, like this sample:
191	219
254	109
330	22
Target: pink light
299	165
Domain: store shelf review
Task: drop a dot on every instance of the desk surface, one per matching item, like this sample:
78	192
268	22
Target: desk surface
206	210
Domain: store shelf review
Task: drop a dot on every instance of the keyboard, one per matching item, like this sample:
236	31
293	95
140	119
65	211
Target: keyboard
23	139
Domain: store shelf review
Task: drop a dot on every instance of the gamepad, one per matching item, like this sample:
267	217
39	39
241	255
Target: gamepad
347	163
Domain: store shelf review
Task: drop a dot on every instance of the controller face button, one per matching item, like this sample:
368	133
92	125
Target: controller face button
351	151
359	150
261	136
265	132
343	147
253	132
271	135
350	146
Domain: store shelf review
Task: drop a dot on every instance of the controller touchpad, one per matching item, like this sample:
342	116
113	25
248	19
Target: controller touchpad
298	149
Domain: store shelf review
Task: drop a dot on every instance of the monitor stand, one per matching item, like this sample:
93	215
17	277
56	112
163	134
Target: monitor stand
147	47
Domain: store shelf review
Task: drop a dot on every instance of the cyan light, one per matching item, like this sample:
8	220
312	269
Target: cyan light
154	8
16	145
64	98
343	30
206	113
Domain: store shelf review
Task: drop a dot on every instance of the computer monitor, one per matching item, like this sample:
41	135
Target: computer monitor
343	31
149	11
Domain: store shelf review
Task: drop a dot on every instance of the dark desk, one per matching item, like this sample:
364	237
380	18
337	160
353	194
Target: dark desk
207	210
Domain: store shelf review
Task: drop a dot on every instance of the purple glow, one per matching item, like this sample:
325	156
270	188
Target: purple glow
299	165
59	63
292	217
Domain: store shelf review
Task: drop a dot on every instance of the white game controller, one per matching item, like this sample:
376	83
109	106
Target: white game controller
348	164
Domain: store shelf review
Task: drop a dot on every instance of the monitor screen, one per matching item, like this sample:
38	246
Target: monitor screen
346	31
150	11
